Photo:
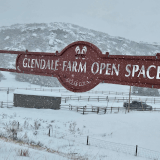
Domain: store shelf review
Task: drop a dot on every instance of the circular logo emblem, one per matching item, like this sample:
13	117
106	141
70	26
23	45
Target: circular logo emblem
78	72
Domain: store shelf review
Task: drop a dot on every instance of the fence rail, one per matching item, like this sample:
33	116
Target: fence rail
63	90
66	98
99	110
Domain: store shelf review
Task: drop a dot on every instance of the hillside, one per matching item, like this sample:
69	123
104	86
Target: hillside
56	36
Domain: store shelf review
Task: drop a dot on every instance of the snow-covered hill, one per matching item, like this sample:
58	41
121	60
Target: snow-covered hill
55	36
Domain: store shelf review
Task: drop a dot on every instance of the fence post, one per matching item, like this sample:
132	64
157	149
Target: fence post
136	149
87	140
97	110
49	132
154	100
105	111
118	109
98	98
83	110
77	109
111	109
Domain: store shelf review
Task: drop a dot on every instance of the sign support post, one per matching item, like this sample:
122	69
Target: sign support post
129	99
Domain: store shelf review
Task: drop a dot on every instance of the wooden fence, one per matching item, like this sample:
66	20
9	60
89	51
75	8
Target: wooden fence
66	98
99	110
63	90
6	104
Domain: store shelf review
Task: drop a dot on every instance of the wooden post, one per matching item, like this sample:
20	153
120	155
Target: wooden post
77	109
105	110
154	100
136	149
97	110
111	109
129	98
87	140
118	109
49	132
83	110
98	98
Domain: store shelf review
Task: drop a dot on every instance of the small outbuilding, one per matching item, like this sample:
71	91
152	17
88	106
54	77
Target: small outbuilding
36	99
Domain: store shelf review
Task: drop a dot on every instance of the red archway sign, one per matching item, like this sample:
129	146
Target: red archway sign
81	66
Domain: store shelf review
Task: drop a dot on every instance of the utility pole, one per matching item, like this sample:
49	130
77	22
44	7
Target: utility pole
129	98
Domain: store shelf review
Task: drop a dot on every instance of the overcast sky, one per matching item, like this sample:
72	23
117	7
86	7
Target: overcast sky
137	20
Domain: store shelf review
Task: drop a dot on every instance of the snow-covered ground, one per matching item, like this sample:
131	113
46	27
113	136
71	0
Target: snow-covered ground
111	136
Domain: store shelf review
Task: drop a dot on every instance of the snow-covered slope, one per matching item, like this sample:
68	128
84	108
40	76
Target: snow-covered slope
55	36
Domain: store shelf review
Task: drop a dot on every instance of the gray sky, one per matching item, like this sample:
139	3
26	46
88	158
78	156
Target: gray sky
138	20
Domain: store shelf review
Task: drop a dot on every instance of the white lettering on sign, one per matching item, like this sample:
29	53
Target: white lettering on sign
132	69
74	66
43	63
76	83
135	69
24	64
102	67
115	69
82	68
158	72
56	64
127	69
97	67
110	68
40	64
148	75
142	71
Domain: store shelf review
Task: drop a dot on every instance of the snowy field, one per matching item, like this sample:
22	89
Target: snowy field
62	134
